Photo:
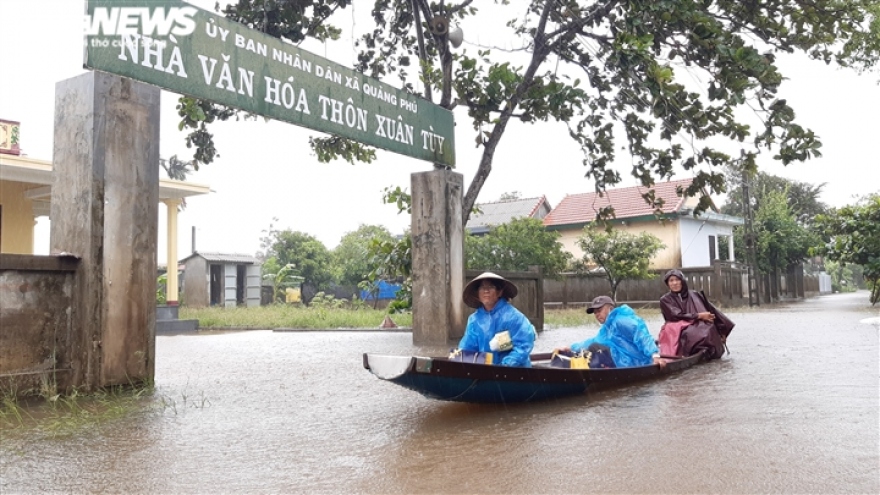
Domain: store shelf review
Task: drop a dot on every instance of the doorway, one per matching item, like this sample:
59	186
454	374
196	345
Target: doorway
216	284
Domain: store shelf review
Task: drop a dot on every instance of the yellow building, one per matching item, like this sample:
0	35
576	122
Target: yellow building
26	192
690	240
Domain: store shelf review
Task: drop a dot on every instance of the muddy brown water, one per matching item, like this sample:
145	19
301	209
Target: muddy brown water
793	409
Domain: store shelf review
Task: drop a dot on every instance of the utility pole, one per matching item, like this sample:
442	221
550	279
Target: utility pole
749	237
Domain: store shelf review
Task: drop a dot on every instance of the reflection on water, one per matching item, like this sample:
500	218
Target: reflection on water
793	409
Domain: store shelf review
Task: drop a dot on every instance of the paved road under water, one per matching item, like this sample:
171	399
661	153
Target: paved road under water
793	409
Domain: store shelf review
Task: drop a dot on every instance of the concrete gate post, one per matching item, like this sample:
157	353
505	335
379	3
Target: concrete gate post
437	257
105	196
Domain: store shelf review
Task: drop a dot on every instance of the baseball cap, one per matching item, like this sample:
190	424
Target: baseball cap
598	303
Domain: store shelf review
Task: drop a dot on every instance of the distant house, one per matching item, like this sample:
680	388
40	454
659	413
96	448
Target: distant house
691	241
501	212
212	279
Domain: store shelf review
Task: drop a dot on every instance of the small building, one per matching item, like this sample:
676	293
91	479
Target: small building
215	279
502	212
691	240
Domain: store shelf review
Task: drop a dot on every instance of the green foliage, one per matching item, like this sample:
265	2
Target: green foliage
161	286
333	147
175	168
327	301
842	276
351	258
310	257
398	197
517	245
862	50
779	239
620	255
281	277
611	71
196	115
803	198
852	235
391	260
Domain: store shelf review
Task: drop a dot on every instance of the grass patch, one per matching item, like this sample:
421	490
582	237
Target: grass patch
289	316
61	415
328	318
58	415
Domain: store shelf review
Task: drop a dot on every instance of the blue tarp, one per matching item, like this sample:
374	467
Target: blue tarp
386	291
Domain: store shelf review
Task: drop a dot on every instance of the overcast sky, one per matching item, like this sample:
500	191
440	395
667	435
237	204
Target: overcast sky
266	170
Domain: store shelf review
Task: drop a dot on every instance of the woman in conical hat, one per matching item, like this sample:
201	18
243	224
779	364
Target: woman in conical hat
496	326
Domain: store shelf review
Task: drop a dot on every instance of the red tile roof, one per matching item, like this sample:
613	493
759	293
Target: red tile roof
627	202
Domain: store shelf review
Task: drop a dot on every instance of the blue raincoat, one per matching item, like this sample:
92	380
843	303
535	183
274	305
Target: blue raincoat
483	325
628	337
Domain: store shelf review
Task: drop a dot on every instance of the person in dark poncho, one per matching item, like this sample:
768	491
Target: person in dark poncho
693	324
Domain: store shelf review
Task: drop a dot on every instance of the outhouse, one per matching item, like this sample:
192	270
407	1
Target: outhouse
215	279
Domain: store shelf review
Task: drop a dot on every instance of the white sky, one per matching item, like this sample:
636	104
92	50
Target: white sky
267	170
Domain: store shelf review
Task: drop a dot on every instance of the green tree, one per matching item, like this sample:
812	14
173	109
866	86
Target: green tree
610	70
620	255
310	257
351	258
517	245
281	278
803	198
392	262
779	239
842	276
851	235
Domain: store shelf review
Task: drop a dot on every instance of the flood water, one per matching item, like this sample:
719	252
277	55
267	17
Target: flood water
793	409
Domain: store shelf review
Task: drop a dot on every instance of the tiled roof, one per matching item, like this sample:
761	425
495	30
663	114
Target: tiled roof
501	212
627	202
242	259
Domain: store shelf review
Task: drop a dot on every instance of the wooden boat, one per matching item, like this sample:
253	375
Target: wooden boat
443	379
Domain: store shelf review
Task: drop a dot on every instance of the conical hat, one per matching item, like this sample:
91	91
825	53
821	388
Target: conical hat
471	298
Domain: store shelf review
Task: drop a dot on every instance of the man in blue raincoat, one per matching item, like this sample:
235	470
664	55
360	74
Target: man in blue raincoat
624	332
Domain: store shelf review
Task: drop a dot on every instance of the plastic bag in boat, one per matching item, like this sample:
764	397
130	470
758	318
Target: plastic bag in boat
475	357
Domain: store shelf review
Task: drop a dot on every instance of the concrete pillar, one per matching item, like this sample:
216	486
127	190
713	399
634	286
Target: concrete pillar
105	196
437	257
171	282
715	241
730	255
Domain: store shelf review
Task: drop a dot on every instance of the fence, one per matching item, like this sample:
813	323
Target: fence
530	297
722	282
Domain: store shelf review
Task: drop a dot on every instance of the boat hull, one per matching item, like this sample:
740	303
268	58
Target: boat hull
442	379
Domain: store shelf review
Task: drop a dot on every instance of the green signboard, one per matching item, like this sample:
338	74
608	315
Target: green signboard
176	46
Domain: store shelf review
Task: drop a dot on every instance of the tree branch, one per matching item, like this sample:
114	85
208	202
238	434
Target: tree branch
538	56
